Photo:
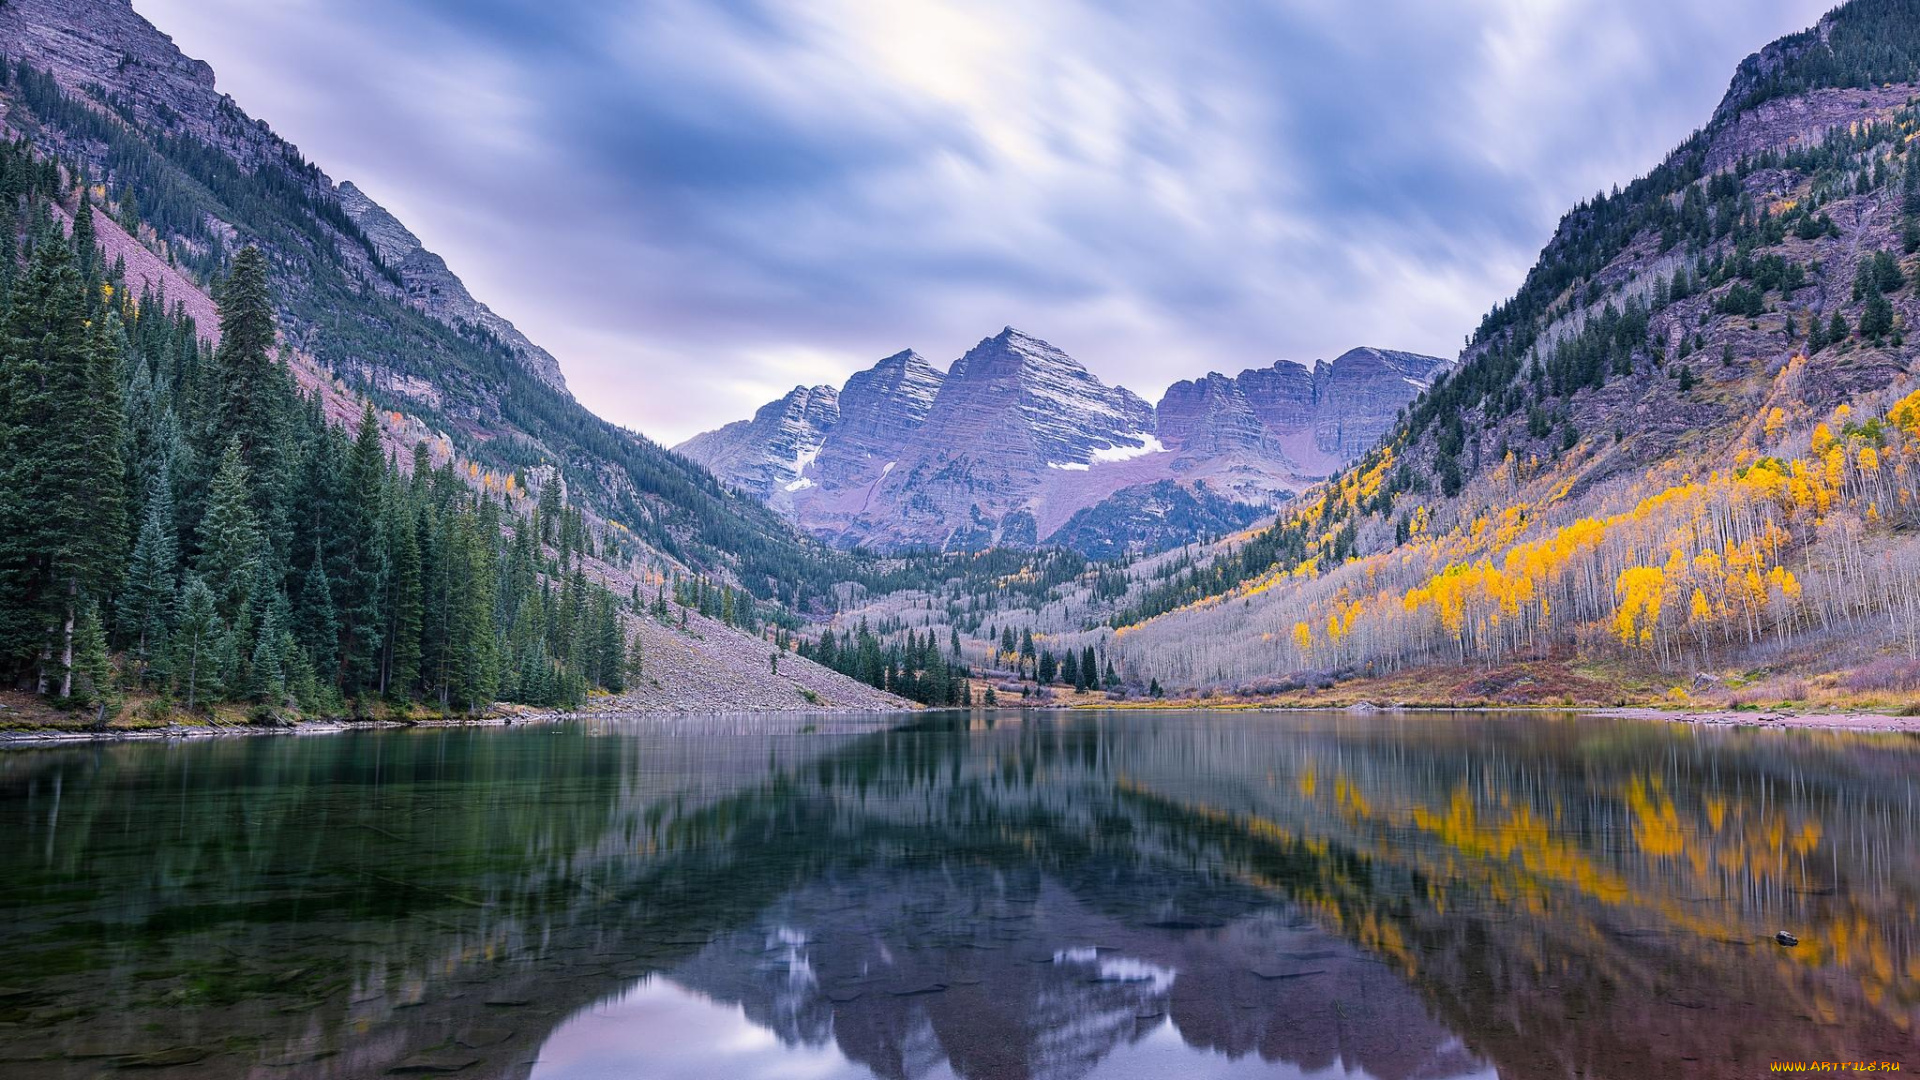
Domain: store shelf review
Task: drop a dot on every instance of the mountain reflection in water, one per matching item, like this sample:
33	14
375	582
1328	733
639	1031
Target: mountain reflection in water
1069	896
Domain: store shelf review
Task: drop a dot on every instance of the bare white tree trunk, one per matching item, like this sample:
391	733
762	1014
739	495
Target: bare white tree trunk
66	640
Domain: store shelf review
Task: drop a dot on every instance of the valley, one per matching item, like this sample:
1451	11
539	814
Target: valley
1675	469
1545	709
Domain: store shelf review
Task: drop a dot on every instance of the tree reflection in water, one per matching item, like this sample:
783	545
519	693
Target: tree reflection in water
1399	896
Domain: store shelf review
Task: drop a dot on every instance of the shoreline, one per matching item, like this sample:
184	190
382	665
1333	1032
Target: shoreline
1881	723
1884	723
59	736
55	736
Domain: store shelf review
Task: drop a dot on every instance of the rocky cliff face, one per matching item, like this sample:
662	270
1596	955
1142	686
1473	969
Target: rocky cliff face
364	311
104	52
433	288
769	454
881	409
1021	444
1357	397
1016	426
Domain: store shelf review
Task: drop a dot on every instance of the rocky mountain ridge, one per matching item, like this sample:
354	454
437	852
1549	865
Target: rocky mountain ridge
1669	453
1019	444
361	304
433	288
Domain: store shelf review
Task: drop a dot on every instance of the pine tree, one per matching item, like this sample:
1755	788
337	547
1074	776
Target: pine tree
230	543
315	625
250	378
404	615
86	253
62	499
366	562
255	395
266	682
1877	320
96	684
195	641
146	599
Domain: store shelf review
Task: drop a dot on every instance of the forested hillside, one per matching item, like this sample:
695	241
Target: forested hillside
1691	440
190	509
93	84
250	468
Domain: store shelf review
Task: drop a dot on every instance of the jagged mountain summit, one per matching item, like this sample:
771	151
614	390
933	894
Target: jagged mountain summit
1019	444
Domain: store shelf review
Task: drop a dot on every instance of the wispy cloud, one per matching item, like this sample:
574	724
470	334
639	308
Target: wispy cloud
696	205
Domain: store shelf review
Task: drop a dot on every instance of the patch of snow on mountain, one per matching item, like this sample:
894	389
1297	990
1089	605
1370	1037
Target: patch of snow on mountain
1148	445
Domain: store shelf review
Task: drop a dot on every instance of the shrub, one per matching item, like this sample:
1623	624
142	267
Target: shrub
1886	673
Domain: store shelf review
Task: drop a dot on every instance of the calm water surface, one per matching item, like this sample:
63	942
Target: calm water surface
1124	895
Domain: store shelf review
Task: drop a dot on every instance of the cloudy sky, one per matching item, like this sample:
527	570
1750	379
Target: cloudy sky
696	204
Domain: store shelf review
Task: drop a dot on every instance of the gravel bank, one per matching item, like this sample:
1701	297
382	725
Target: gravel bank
1815	721
711	667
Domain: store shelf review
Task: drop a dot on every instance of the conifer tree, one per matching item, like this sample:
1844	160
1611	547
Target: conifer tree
61	478
95	682
230	543
404	610
266	681
1877	320
250	379
86	253
146	598
636	660
366	559
195	641
315	626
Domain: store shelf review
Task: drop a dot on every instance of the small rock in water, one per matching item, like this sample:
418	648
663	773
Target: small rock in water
1786	939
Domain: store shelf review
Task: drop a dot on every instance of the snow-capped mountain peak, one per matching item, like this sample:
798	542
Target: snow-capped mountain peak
1018	437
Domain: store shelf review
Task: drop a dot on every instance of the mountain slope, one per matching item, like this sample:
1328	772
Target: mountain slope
433	288
1688	441
1020	445
765	455
359	299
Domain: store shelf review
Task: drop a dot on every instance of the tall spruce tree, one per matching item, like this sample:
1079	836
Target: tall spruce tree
255	392
146	598
365	560
230	542
316	627
195	642
62	490
404	610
